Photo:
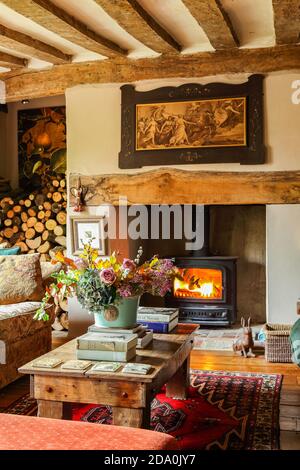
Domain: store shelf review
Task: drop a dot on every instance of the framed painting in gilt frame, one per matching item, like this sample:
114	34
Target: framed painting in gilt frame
193	123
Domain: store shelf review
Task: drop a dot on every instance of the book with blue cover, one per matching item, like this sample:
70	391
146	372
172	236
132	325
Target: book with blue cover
159	327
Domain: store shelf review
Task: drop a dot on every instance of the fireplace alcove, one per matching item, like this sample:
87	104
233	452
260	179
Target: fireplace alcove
236	246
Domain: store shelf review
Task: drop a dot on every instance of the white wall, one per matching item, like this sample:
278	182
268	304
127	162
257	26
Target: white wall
94	126
283	262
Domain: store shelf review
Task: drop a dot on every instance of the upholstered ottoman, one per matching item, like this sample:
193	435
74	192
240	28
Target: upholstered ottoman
56	434
21	338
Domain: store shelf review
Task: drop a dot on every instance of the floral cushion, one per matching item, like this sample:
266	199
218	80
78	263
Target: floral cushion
20	279
16	320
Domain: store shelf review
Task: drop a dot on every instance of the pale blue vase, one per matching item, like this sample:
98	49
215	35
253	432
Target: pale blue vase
126	314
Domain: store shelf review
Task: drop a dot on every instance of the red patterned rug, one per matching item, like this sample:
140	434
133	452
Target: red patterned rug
224	410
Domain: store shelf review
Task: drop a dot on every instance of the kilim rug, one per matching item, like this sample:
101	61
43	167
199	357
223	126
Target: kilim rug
224	410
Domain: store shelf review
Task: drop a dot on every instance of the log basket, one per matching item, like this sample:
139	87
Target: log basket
277	344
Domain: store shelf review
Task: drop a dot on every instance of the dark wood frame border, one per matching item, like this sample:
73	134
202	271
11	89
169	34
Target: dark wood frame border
253	153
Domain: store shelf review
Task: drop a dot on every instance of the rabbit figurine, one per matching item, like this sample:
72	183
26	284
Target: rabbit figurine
244	343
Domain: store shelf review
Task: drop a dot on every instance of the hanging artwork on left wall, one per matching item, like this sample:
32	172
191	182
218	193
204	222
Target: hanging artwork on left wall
41	145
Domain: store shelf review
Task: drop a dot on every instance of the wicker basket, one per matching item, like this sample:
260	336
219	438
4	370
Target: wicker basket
277	345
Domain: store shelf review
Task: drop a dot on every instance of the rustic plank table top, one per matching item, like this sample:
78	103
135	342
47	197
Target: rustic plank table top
129	395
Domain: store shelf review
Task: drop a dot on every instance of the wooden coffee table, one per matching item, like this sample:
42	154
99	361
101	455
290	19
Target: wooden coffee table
129	395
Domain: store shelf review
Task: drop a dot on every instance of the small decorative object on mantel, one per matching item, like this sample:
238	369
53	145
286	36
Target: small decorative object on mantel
79	194
193	123
244	343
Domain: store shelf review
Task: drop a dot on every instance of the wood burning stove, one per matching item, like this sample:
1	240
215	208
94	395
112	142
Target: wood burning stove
206	292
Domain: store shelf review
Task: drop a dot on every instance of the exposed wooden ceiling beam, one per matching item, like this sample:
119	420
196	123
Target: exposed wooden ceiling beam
214	21
287	21
55	81
12	62
136	21
205	187
53	18
27	45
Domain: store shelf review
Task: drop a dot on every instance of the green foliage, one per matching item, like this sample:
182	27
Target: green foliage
41	313
92	293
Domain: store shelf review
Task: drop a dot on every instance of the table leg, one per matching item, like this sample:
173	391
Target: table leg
179	383
50	409
132	417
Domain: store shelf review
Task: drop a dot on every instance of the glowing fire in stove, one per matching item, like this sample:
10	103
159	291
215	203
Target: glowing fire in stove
199	283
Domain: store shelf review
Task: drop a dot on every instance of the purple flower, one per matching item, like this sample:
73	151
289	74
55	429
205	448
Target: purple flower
128	264
125	291
80	263
107	276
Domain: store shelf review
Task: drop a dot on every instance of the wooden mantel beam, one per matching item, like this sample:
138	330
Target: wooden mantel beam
56	80
214	21
136	21
24	44
169	186
53	18
287	21
11	61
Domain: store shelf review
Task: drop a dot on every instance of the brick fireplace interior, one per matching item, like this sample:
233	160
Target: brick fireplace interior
231	270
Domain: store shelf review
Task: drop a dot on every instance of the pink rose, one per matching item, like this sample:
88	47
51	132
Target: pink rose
128	264
107	276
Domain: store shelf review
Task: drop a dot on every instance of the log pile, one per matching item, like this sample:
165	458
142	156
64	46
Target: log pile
37	222
61	321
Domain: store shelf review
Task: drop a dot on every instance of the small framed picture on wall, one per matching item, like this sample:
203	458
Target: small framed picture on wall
84	229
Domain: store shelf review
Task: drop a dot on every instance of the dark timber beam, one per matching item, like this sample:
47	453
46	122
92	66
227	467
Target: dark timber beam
287	21
53	18
36	84
27	45
215	22
136	21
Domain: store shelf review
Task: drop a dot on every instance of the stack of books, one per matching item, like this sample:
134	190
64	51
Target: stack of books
158	319
143	334
106	346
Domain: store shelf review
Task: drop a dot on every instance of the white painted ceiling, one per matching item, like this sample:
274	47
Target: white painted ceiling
252	20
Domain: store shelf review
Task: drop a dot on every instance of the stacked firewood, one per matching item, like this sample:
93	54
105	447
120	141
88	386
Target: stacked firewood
36	223
61	321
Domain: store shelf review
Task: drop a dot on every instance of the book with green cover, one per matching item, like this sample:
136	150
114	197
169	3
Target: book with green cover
113	356
107	342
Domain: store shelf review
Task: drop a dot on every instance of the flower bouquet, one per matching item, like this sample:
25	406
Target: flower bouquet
108	288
